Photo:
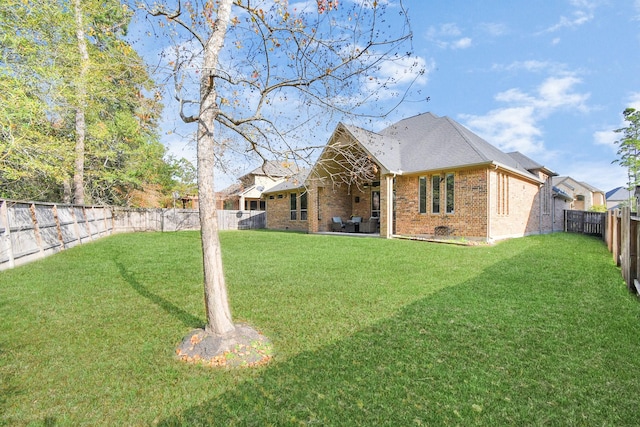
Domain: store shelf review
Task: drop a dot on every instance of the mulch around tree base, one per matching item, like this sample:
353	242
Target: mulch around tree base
243	347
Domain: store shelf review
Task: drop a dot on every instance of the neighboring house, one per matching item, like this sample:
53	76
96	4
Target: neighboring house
618	196
584	196
247	194
421	175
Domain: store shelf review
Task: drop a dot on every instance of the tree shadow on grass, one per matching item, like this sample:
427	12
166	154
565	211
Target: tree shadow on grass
186	318
481	353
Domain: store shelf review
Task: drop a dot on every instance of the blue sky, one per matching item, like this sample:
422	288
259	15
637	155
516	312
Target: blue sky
547	78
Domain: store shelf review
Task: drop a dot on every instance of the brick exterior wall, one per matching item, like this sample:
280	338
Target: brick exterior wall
334	201
469	218
520	214
279	214
488	205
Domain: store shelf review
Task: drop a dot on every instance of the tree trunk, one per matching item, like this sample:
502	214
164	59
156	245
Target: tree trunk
215	291
81	93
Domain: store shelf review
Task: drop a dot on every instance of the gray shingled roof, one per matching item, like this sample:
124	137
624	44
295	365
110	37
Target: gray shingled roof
274	169
619	193
293	182
427	142
557	180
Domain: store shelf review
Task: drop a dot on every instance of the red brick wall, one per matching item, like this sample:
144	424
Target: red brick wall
488	204
333	201
278	213
527	212
470	206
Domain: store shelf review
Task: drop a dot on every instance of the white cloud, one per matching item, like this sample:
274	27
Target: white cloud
557	92
511	129
533	66
605	137
583	12
444	30
634	100
608	136
495	29
518	125
396	75
448	36
463	43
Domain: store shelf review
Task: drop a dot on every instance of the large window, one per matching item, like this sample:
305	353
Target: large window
293	203
450	184
422	184
435	194
303	206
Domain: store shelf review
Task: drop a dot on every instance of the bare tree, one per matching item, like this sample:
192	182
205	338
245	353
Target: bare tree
270	77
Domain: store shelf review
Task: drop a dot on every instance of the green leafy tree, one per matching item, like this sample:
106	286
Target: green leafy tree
629	146
78	109
33	139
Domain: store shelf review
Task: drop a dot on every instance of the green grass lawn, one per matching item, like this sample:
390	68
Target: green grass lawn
533	331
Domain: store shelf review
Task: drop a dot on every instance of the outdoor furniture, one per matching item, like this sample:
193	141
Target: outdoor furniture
337	224
350	227
369	225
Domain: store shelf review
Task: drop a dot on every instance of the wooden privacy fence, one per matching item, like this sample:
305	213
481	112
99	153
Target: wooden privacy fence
593	223
30	230
622	240
129	220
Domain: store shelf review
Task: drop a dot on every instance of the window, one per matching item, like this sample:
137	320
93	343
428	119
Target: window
450	195
303	206
375	203
502	204
435	194
422	184
293	206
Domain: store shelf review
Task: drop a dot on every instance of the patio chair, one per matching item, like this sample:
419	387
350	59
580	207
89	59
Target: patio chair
369	225
337	224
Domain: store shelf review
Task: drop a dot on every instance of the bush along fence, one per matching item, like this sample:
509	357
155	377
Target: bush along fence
34	230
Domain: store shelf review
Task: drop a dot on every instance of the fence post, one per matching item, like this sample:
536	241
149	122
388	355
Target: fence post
633	254
56	218
627	249
6	234
36	229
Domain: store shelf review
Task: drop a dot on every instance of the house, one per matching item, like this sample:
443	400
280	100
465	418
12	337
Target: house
421	176
247	194
584	196
618	197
